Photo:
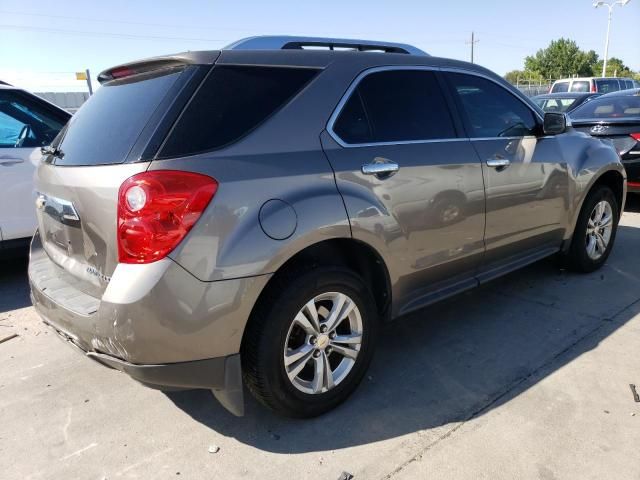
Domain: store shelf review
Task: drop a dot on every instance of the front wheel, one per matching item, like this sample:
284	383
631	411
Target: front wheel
306	350
595	230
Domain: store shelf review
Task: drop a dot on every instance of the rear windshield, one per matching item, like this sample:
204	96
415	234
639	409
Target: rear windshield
555	104
231	102
103	131
611	107
560	87
580	86
607	85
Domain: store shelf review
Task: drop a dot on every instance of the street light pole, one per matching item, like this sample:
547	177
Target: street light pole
610	6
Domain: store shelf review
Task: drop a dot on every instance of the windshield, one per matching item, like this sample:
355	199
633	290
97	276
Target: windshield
107	126
609	107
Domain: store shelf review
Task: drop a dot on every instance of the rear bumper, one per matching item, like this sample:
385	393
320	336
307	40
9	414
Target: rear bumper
156	322
632	168
222	375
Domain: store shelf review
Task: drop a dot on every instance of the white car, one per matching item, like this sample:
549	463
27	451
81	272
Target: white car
27	123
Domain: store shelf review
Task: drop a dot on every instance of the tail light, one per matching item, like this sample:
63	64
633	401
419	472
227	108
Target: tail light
156	209
593	88
636	136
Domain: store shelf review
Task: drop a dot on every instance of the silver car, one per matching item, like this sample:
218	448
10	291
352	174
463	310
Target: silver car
251	216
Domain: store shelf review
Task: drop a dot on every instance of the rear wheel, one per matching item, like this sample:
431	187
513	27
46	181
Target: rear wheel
595	230
307	349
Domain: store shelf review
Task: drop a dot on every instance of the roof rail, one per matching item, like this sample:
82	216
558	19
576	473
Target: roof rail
298	43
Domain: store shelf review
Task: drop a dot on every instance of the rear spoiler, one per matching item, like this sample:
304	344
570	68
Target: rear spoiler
158	63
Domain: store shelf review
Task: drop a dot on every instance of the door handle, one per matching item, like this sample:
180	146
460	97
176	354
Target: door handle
8	161
380	167
499	163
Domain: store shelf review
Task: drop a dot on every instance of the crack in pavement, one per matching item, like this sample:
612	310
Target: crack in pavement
510	388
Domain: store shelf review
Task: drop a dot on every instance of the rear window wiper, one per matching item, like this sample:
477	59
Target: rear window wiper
55	152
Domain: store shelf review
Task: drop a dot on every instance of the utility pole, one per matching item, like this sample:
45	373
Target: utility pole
472	42
86	75
89	81
597	4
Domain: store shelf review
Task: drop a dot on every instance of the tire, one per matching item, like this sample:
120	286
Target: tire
578	257
273	333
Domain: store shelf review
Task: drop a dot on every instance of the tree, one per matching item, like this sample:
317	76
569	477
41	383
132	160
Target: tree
523	76
562	58
615	68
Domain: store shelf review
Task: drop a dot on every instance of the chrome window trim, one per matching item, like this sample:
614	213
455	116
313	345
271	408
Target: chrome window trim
354	84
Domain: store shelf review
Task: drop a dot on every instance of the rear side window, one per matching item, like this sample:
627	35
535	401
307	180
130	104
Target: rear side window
560	87
491	110
580	86
231	102
106	127
607	85
395	106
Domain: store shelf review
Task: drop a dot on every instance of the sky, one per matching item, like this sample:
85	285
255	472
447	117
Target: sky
42	43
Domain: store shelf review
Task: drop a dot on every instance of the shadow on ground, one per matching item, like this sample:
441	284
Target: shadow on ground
454	360
14	285
632	203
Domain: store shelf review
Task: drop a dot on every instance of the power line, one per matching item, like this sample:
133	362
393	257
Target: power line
123	22
108	34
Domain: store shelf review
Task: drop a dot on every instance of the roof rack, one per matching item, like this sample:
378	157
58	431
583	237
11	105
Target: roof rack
299	43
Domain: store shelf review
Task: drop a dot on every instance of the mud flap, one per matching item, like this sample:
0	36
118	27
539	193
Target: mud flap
231	396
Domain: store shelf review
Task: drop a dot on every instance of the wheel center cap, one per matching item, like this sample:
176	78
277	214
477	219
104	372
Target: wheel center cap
322	342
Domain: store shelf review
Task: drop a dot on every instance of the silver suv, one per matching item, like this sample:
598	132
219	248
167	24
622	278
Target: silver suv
252	215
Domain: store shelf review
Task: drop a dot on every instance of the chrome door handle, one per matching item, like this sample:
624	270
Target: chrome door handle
498	162
380	168
8	161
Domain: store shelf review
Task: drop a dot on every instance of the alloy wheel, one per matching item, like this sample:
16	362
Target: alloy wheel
599	229
323	343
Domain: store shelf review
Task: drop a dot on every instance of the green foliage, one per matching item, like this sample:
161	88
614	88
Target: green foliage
562	58
615	67
523	76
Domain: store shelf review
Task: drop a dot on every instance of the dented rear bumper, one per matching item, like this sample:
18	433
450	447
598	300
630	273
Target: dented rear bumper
157	323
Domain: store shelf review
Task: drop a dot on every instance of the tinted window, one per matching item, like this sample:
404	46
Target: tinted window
580	86
491	110
25	122
231	102
395	106
560	87
611	107
607	85
105	128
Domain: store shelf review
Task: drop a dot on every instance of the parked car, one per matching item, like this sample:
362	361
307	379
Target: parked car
562	102
257	212
616	117
593	84
26	123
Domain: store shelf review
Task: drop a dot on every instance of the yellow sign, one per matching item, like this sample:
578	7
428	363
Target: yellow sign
81	76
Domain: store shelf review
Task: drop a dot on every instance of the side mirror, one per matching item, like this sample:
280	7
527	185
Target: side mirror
555	123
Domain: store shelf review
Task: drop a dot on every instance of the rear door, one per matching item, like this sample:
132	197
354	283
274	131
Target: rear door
26	124
412	187
525	175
